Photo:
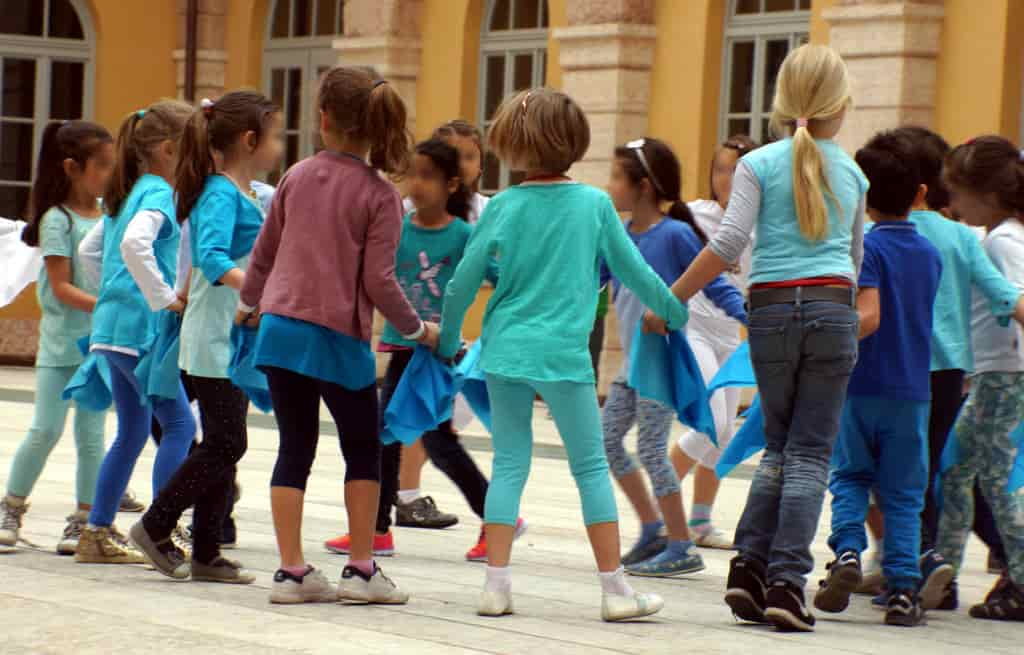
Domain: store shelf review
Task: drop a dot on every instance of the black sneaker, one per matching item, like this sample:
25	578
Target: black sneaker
843	577
1004	603
950	598
423	513
745	590
936	574
643	552
786	608
904	609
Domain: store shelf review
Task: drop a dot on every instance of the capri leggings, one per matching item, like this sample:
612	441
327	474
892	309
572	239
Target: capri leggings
296	401
622	409
574	408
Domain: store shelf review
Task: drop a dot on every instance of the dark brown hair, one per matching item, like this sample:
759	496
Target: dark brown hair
74	140
664	172
741	144
540	130
988	165
894	176
461	128
141	132
217	126
446	158
361	107
930	150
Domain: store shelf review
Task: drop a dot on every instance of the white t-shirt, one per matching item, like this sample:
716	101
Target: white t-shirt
476	207
998	348
709	215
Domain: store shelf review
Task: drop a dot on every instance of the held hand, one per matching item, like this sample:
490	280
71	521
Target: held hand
655	324
248	319
431	333
178	306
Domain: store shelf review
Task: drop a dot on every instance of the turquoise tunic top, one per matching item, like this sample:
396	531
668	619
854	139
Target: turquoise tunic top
548	240
314	351
61	326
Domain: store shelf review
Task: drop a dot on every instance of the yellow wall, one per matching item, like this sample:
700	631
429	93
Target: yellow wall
819	27
247	29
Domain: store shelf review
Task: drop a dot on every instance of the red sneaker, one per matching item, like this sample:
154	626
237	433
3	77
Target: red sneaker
383	545
478	553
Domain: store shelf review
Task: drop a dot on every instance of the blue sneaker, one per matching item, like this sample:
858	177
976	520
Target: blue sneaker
936	574
643	551
669	563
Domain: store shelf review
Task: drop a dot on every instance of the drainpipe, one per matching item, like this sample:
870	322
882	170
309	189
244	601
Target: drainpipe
191	29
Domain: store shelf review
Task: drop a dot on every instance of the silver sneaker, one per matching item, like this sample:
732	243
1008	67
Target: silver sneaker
183	540
10	522
378	589
68	544
311	587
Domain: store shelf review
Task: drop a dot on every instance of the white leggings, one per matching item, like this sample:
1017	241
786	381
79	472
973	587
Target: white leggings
713	341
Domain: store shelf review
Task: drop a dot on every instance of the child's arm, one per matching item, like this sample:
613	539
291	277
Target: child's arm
869	309
215	220
382	237
58	270
1004	298
857	236
1008	255
462	288
722	293
90	253
140	260
264	251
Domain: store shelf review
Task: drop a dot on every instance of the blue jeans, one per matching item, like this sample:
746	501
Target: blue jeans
883	443
803	355
133	426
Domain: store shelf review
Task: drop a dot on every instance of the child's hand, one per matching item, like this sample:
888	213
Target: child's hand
248	319
655	324
431	333
178	306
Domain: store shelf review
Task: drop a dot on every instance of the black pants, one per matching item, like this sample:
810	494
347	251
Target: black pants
205	479
947	397
296	400
442	446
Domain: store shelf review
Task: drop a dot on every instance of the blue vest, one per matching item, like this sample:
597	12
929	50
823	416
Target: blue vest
122	317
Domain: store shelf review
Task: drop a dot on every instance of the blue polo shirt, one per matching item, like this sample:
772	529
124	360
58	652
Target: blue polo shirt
895	361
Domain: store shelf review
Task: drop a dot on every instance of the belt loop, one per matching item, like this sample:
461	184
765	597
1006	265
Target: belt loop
853	296
798	297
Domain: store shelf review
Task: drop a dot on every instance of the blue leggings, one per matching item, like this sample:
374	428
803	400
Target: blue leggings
573	405
133	426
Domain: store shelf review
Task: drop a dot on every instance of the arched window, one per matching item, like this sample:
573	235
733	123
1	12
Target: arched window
758	36
298	51
513	57
45	75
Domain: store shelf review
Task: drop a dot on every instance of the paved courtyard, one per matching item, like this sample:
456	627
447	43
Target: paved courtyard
50	604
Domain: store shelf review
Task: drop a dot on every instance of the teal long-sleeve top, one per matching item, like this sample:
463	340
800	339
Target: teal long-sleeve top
549	240
964	265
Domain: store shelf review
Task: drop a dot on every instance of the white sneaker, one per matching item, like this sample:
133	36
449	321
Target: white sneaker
311	587
10	522
616	607
495	603
378	589
713	538
68	544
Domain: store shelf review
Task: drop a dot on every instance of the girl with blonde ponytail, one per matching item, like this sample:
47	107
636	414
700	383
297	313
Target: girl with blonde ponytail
804	197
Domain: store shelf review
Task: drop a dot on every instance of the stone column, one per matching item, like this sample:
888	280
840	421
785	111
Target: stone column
385	35
211	54
891	48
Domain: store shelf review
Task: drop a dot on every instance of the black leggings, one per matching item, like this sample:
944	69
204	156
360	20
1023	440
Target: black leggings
442	446
296	400
205	479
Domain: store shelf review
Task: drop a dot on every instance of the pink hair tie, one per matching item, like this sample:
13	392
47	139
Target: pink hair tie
801	122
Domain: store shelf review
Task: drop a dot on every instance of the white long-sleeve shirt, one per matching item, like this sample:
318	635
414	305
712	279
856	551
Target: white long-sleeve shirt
998	348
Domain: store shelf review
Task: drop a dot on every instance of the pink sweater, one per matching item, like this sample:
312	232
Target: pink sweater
326	254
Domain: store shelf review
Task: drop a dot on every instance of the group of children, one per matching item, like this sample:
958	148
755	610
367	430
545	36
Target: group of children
851	333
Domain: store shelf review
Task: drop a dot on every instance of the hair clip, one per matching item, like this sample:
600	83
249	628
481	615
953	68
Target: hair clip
801	122
525	98
207	106
1020	155
140	113
378	83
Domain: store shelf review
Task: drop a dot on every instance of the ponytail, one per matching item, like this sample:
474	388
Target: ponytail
810	186
680	211
74	140
195	162
126	171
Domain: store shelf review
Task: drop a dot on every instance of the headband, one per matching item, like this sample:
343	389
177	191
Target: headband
378	83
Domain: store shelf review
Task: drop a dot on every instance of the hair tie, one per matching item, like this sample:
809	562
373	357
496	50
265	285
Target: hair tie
207	106
378	83
1020	155
801	122
140	113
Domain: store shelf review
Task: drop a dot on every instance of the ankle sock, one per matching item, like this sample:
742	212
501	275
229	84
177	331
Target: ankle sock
700	518
615	583
297	571
499	579
365	565
406	496
650	531
678	548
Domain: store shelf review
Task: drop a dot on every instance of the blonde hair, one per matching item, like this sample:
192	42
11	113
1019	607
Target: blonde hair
812	85
540	130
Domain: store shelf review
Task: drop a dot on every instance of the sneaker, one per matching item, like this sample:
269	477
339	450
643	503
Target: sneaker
616	607
310	587
842	578
163	555
376	589
745	589
995	565
881	601
643	552
495	603
478	553
221	570
182	539
423	513
668	565
873	579
129	503
786	608
904	609
102	546
383	545
936	574
10	521
950	598
713	538
68	543
1004	603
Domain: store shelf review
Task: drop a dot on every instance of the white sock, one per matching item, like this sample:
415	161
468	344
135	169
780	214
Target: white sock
615	583
406	496
499	579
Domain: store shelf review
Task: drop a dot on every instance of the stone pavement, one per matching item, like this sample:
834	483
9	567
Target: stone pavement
50	604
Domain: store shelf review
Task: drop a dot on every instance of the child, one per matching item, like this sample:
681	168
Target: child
548	235
646	180
804	196
883	435
433	241
137	244
324	260
986	182
243	131
75	163
713	336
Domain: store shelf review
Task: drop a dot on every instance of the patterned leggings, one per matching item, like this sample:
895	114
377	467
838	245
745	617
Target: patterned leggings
993	410
622	409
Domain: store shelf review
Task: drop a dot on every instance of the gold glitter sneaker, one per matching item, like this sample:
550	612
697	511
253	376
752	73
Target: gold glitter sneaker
101	546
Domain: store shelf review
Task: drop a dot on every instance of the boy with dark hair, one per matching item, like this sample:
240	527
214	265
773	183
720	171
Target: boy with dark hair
882	441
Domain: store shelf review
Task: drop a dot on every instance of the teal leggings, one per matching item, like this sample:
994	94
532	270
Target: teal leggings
573	405
47	428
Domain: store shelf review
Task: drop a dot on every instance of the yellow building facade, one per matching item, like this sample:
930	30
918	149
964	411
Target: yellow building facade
687	71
